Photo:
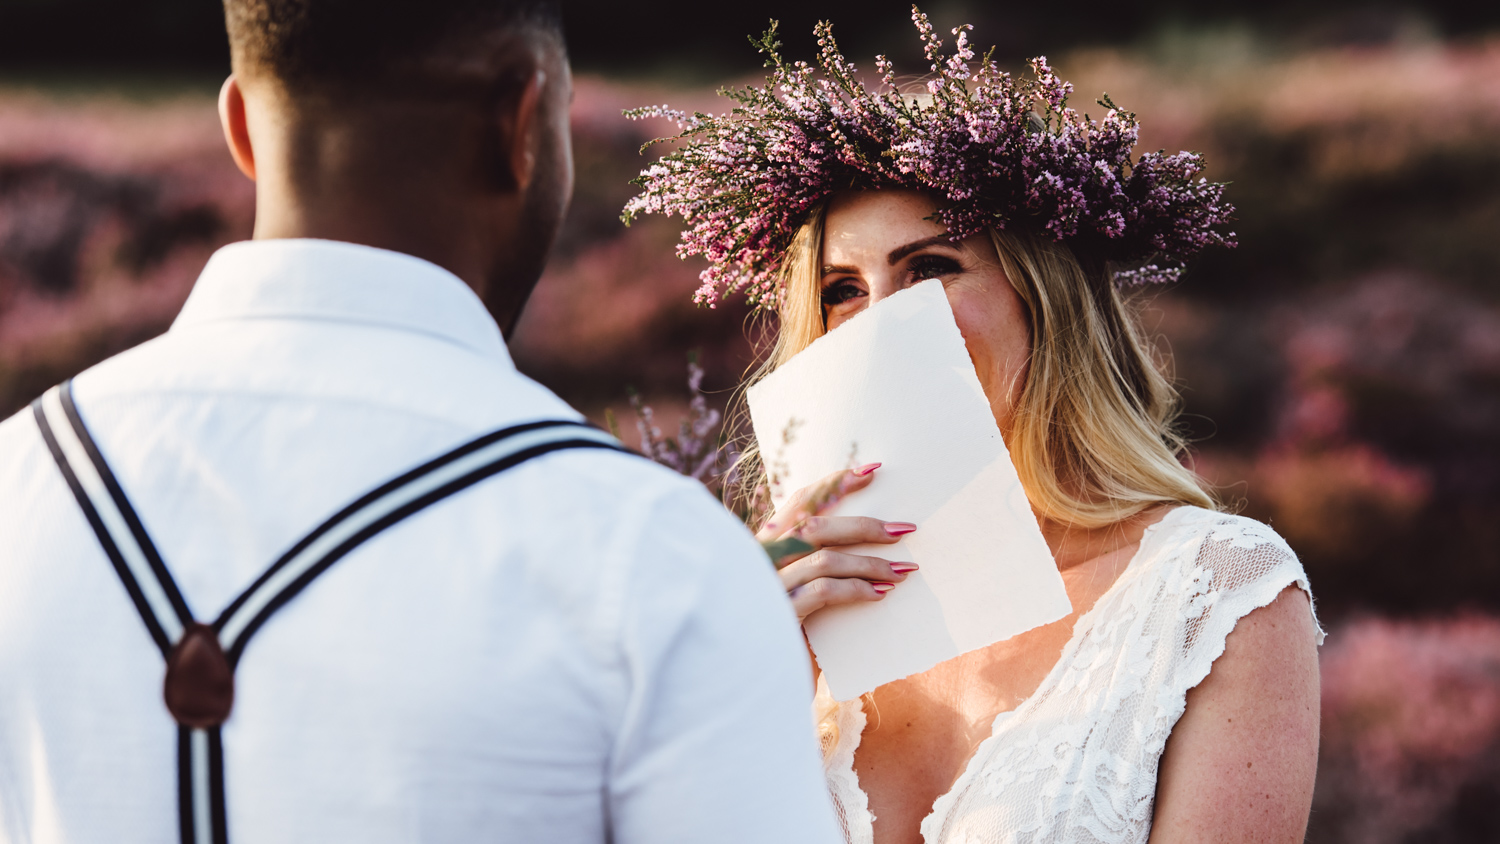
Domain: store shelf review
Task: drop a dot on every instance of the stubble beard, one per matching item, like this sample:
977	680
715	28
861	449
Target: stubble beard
516	275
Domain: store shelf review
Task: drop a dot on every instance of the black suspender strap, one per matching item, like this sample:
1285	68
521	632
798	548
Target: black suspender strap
201	658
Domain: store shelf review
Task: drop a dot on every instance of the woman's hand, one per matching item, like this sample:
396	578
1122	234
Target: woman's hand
814	572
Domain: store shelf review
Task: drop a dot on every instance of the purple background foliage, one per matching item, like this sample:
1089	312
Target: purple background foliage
1341	368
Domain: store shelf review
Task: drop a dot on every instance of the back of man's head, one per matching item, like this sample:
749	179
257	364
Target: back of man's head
438	128
352	47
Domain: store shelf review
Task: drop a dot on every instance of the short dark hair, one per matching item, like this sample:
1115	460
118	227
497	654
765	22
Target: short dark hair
338	44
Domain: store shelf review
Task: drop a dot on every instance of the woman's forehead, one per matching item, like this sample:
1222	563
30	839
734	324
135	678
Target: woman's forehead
851	206
857	220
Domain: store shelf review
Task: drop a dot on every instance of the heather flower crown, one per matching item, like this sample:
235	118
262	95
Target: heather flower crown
998	152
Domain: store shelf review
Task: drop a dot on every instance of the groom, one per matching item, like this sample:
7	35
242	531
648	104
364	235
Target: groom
565	644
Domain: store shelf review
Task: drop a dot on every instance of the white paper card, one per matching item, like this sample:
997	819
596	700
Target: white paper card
895	385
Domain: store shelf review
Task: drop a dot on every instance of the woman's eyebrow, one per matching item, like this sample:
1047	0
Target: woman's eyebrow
840	268
902	251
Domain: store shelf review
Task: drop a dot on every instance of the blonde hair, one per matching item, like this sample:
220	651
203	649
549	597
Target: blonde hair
1092	433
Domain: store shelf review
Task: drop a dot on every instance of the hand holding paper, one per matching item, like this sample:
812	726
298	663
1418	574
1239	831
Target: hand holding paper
895	385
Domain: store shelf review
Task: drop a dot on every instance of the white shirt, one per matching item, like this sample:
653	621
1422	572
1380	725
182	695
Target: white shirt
585	648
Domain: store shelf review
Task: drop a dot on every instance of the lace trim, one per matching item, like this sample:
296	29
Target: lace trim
850	800
1243	535
1087	770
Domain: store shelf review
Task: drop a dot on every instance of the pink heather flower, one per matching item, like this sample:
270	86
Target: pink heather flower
998	152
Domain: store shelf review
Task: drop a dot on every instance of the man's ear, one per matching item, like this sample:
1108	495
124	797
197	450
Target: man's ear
236	128
518	130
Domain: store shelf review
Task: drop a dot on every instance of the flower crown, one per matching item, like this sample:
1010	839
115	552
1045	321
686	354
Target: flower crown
997	152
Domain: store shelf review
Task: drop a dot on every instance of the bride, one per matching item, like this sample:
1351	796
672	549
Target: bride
1179	701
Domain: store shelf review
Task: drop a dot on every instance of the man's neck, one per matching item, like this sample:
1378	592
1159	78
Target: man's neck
354	223
417	190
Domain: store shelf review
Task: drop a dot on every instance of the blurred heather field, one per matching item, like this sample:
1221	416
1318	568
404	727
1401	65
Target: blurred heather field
1341	368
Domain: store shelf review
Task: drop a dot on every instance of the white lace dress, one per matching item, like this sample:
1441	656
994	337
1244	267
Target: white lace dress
1077	761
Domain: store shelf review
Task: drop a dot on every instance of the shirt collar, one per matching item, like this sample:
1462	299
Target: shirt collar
304	279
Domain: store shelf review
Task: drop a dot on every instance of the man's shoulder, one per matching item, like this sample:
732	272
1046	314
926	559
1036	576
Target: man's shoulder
627	482
631	506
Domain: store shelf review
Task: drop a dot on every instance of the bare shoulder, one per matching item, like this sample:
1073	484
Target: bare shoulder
1285	624
1240	764
1271	654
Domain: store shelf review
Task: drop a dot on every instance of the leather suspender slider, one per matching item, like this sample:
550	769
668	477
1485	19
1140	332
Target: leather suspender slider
199	688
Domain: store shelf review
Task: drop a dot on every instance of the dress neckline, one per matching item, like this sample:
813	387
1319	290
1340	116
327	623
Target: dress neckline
1085	622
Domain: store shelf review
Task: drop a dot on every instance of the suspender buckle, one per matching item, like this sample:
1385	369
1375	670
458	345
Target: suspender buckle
200	683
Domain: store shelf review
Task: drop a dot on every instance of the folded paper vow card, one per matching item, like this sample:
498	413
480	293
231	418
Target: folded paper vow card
895	385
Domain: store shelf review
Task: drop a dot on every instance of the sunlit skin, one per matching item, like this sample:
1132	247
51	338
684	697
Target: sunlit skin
1239	765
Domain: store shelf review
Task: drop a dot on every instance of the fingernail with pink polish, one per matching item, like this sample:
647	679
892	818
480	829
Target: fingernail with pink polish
903	568
899	528
882	587
866	469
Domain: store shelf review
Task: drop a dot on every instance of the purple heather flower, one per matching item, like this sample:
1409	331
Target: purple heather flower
1005	154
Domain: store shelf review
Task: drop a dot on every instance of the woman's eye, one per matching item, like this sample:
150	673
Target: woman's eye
839	293
933	266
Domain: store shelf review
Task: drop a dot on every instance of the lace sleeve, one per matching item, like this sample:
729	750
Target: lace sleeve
1240	566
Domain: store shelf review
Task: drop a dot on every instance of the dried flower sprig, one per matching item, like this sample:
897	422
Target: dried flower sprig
700	449
998	152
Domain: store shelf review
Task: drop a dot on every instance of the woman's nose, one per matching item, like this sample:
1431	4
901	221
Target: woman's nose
882	286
